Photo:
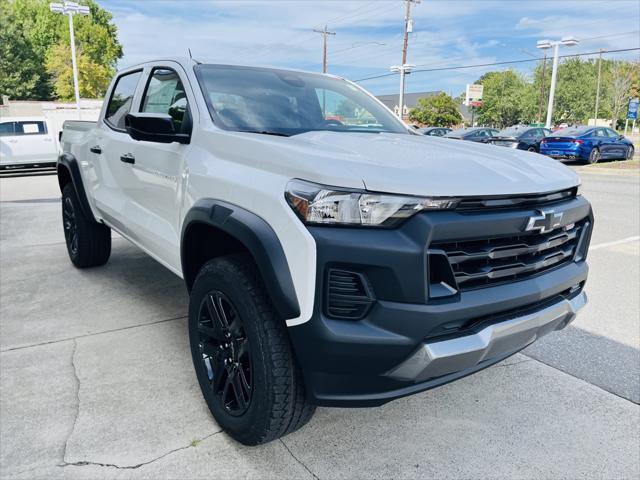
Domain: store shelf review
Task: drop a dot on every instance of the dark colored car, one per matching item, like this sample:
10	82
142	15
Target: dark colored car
522	138
474	134
588	144
434	131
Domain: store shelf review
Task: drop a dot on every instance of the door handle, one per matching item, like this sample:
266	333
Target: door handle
96	149
128	158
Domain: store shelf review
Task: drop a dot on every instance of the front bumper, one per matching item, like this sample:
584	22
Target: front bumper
436	359
410	339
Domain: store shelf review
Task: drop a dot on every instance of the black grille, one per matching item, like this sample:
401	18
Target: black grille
348	295
517	201
484	262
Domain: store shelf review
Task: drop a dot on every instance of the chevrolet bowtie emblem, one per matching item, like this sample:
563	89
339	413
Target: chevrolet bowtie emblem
545	222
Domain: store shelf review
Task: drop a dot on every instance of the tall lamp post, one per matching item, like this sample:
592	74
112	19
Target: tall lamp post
70	9
403	70
545	45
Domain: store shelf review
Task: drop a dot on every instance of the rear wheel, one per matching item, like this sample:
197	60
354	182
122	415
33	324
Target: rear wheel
630	152
245	366
88	242
594	156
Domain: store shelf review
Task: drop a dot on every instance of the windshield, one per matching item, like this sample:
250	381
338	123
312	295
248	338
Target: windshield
281	102
571	131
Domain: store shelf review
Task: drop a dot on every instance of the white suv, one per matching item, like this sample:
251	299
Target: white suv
333	256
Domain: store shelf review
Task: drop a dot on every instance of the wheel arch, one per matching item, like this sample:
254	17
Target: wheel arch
213	228
69	172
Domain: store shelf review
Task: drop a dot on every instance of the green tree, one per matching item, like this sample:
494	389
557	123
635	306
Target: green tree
505	97
437	111
33	41
346	108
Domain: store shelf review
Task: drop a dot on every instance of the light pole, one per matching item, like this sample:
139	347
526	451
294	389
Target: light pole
544	45
402	69
70	9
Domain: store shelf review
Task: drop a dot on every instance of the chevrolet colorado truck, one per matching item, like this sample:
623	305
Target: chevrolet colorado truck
332	256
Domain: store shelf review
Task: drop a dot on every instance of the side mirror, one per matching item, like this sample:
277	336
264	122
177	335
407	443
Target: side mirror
153	127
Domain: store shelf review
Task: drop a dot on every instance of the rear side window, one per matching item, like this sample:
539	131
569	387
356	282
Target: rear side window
31	128
165	94
7	129
121	99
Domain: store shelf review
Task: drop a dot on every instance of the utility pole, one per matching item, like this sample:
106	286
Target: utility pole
595	117
408	28
324	34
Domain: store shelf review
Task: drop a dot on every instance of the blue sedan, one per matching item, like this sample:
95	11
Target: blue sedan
588	144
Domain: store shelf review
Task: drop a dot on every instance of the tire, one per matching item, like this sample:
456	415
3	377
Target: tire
594	156
244	363
630	152
88	242
532	149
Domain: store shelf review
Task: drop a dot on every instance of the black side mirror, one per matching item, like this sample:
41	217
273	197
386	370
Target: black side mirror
153	127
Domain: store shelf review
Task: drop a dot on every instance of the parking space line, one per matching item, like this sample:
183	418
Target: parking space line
615	242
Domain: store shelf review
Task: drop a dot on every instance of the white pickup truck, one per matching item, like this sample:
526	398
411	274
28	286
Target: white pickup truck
332	256
27	142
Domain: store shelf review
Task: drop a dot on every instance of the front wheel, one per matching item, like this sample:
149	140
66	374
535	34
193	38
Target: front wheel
630	152
532	149
244	363
594	156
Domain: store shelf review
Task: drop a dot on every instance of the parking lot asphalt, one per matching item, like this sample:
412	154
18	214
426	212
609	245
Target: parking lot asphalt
96	379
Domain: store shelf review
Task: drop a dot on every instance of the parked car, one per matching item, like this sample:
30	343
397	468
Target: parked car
522	138
26	142
589	144
434	131
327	263
474	134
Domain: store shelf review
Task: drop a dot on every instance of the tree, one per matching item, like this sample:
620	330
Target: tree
621	82
503	98
34	48
346	108
437	111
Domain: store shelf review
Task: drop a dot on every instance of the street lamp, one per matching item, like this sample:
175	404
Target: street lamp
71	9
402	69
545	45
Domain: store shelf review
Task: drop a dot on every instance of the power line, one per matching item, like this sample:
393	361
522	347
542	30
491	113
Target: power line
509	62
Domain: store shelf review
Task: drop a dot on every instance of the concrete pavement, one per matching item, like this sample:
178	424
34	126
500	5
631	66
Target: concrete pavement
96	379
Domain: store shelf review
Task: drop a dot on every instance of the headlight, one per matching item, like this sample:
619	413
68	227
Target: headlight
319	204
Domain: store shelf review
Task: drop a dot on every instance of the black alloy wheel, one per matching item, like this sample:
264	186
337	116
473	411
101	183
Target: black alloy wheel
70	226
225	352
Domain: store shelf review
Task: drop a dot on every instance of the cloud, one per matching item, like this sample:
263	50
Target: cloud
446	33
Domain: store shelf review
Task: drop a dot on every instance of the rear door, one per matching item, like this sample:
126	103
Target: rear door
108	155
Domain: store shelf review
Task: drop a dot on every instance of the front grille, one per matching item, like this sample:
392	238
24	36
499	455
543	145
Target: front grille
348	295
515	201
489	261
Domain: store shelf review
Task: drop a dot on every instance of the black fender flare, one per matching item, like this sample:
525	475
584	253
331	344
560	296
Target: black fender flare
258	238
68	162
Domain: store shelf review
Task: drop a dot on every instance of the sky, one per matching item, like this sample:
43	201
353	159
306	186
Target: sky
368	40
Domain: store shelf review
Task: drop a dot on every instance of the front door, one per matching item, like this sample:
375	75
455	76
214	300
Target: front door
155	189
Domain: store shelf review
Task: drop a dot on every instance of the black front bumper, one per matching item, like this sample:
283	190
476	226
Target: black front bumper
352	362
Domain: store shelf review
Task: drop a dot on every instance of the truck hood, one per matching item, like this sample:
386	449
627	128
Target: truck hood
424	165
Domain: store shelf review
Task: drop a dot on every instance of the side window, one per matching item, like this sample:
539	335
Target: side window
121	99
599	133
7	129
165	94
30	128
612	133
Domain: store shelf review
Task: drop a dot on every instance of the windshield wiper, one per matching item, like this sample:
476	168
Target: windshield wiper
266	132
